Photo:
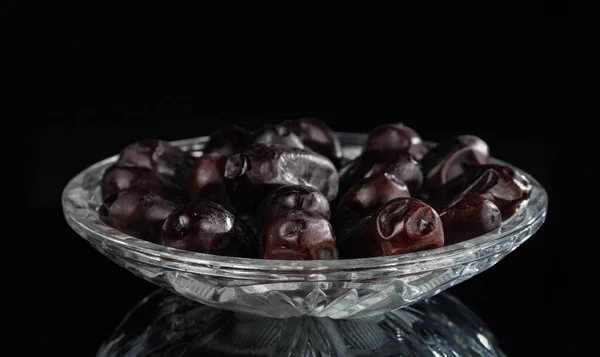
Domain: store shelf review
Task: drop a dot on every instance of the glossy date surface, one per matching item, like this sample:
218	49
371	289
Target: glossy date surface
298	235
402	225
396	163
449	158
316	135
117	178
397	137
227	140
207	227
159	156
502	185
207	180
275	135
253	173
292	198
468	217
137	212
367	196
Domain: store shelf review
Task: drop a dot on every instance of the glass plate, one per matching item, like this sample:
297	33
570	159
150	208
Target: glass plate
341	289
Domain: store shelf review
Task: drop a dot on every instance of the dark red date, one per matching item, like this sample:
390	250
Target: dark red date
293	198
227	140
159	156
402	225
252	174
207	180
502	185
207	227
317	136
449	159
298	235
117	178
397	137
137	212
396	163
276	135
365	197
468	217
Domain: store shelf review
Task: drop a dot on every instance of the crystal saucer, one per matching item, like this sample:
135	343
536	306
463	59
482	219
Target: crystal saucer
342	289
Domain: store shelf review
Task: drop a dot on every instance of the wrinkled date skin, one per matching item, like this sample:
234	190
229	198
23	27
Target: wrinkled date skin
252	174
365	197
207	227
159	156
227	140
470	216
502	185
293	198
117	178
207	180
276	135
137	212
298	235
396	163
448	159
402	225
317	136
397	137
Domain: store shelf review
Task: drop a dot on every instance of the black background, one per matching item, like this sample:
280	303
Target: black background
98	77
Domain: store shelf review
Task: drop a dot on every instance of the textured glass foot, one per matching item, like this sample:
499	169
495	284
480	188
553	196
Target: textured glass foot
167	325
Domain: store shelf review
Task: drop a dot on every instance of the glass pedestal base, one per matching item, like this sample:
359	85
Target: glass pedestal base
167	325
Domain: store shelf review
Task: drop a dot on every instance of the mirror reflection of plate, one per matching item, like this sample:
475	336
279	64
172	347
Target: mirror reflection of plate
168	325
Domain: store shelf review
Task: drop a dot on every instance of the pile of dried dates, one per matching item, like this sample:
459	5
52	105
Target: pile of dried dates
285	192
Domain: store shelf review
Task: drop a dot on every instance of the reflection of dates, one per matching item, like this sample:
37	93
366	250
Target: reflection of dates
227	140
276	135
207	181
365	197
253	173
402	225
395	137
317	136
137	212
470	216
449	159
207	227
293	198
396	163
298	235
502	185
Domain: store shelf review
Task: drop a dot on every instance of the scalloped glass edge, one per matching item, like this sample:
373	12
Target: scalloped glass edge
80	214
